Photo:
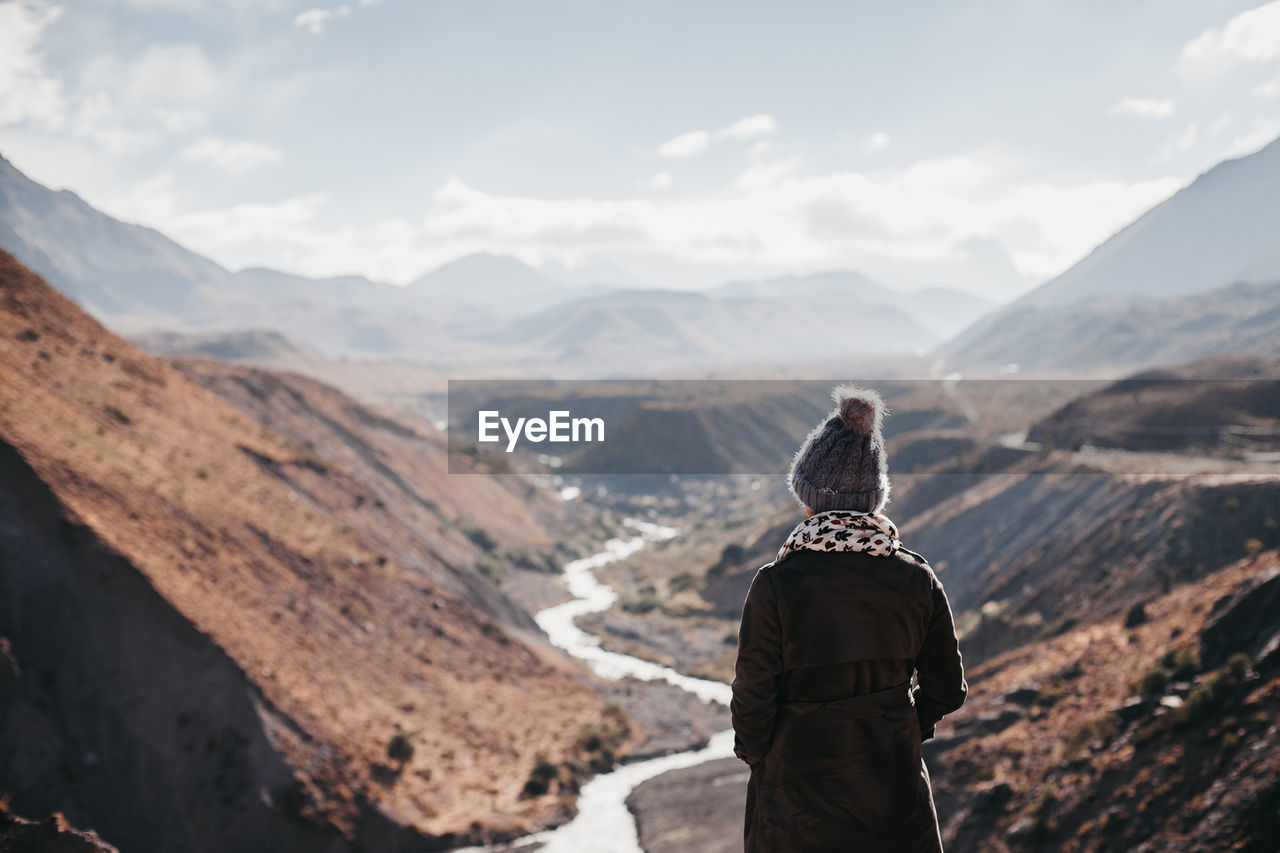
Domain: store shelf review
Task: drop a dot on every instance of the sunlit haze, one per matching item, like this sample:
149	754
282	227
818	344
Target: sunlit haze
985	146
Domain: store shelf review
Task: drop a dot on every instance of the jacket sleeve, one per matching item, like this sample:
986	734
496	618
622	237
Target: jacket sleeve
758	672
939	669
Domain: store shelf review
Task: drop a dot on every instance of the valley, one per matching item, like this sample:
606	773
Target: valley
258	591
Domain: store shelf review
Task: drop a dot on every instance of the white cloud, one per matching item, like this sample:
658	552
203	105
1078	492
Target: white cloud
283	234
909	226
231	155
1251	36
1180	142
315	20
1261	132
170	76
28	93
685	145
780	219
1269	89
660	181
99	120
1155	108
695	142
749	127
877	141
180	121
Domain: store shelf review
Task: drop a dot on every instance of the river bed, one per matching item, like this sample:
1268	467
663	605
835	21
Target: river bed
603	823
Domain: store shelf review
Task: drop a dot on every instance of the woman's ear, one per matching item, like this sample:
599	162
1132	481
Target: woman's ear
808	512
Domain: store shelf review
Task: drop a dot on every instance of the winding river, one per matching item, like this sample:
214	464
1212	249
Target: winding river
603	823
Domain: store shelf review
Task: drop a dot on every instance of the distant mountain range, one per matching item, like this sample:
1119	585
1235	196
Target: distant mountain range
1197	275
484	311
1118	335
942	311
1193	277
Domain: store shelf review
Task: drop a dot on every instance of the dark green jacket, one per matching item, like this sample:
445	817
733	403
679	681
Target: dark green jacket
825	708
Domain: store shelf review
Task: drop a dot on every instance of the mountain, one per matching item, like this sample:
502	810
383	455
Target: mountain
832	286
1185	257
495	282
644	332
1219	230
484	311
137	280
225	591
1114	336
105	265
254	346
943	311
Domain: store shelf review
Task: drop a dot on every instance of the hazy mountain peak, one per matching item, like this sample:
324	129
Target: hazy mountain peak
1217	230
498	282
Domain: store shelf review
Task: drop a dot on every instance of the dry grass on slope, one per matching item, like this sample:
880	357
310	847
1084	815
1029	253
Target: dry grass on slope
346	643
1054	749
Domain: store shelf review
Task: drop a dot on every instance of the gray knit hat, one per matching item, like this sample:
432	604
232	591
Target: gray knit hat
841	464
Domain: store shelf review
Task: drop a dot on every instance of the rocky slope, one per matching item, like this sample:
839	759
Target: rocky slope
1226	406
1150	731
217	616
1116	335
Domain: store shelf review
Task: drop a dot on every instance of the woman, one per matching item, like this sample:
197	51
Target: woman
825	708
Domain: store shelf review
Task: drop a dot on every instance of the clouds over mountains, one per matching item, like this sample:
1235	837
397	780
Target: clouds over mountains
212	134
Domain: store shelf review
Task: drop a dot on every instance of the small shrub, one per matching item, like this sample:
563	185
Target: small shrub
1101	728
1211	692
492	629
1179	658
490	569
482	538
1153	682
1238	665
681	582
400	748
26	336
640	604
540	778
117	415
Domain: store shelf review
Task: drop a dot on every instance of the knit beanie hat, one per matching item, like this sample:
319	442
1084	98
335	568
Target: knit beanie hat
841	464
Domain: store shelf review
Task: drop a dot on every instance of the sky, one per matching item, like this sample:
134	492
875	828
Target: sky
982	145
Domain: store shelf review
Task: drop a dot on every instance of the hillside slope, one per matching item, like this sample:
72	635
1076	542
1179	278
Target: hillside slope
1116	336
1148	733
1217	231
115	268
1192	277
204	652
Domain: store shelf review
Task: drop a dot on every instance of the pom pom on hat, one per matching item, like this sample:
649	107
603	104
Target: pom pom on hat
841	464
861	409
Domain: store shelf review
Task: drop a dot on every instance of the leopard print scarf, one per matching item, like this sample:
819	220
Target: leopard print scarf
844	530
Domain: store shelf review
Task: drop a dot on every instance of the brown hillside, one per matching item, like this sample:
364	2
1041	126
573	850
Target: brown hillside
202	645
1159	736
